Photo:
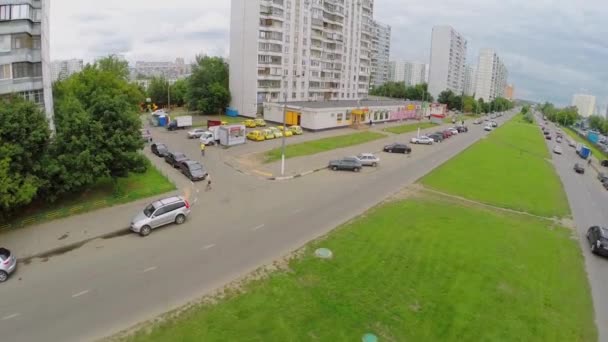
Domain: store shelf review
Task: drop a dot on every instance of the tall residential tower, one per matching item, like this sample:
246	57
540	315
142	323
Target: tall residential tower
448	61
381	48
299	50
411	73
584	103
492	76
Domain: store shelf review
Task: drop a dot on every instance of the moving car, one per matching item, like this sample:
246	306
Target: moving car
260	122
477	122
578	168
277	133
422	140
546	132
160	213
602	177
598	240
256	136
250	123
193	170
268	135
604	163
8	264
548	137
348	163
557	149
297	130
175	158
488	128
397	148
494	124
286	131
558	139
159	150
196	133
368	159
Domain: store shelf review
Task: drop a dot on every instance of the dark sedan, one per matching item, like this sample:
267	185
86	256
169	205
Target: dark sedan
598	240
578	168
605	163
160	150
193	170
397	148
175	158
350	164
438	137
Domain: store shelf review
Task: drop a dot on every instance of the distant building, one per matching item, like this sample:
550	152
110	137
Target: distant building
448	61
584	103
510	92
492	76
470	79
409	72
64	68
381	47
168	70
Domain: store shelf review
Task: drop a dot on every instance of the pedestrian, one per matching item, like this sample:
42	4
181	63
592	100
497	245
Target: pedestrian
208	183
370	123
202	149
589	161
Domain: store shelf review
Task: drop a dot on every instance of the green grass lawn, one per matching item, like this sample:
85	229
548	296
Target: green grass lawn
594	150
508	169
104	194
409	127
414	270
322	145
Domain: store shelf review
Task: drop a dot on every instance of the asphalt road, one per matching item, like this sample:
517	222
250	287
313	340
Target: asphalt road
243	223
589	205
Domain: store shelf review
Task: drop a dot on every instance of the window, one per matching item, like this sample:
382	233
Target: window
340	115
5	43
20	12
348	115
26	69
5	12
5	72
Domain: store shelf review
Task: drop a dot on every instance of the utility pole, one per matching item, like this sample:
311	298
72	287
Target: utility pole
284	128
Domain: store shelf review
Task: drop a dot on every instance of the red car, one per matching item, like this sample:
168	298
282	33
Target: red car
447	133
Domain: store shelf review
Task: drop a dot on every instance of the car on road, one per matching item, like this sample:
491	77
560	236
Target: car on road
477	122
277	133
348	163
8	264
297	130
159	150
368	159
604	163
494	124
548	137
437	137
260	122
488	128
602	177
598	240
557	149
196	133
250	123
558	139
453	130
546	132
422	140
175	158
578	168
397	148
146	136
193	170
605	184
446	133
160	213
256	136
462	129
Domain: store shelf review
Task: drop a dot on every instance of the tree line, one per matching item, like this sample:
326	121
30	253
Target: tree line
399	90
566	116
467	104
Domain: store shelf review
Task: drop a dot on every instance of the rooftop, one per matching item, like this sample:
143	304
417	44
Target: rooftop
345	103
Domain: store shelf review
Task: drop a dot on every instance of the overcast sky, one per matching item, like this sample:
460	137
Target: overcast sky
552	48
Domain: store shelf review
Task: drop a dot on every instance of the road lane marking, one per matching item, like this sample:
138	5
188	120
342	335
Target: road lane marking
6	318
149	269
82	293
258	227
207	247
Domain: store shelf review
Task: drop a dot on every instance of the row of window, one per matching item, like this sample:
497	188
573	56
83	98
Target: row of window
19	41
20	70
18	12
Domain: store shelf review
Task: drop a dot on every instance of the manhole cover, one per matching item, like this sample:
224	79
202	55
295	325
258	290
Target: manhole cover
323	253
369	338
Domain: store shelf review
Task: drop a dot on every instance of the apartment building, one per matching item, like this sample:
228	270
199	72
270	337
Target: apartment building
510	92
470	79
299	50
411	73
448	61
62	69
492	76
25	55
168	70
381	48
584	103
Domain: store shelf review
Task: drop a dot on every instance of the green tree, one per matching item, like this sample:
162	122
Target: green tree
114	65
209	74
398	90
469	105
158	90
24	138
178	92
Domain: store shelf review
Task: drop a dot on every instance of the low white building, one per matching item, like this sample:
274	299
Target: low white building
323	115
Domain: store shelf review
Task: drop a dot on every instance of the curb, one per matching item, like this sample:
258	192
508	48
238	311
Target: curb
306	173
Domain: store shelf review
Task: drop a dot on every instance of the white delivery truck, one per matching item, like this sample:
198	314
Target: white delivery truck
180	122
232	135
208	138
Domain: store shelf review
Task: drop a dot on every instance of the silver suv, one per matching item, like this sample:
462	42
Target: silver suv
8	264
160	213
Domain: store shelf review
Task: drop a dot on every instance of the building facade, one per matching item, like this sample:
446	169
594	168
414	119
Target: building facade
169	70
510	92
61	70
492	76
470	79
381	48
298	50
448	61
584	103
411	73
24	52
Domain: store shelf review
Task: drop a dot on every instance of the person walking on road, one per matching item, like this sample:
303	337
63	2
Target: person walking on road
208	183
203	149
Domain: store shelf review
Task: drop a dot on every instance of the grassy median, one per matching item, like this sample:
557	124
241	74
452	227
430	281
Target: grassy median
322	145
412	270
409	127
509	169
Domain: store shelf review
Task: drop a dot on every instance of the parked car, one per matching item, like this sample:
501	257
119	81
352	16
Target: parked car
548	137
605	184
250	123
174	158
453	130
348	163
146	136
368	159
297	130
546	132
287	132
397	148
260	122
159	213
8	264
447	133
598	240
159	150
578	168
488	128
436	137
422	140
193	170
557	149
558	139
604	163
477	122
268	135
256	136
277	133
494	124
602	177
462	129
196	133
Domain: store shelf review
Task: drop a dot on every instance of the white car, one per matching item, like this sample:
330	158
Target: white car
196	133
368	159
453	130
422	140
488	128
557	149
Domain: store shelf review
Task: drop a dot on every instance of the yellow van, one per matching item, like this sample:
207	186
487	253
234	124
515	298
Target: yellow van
268	134
260	122
249	123
297	130
287	132
256	136
277	133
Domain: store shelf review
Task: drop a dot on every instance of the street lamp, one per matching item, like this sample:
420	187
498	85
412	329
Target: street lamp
284	131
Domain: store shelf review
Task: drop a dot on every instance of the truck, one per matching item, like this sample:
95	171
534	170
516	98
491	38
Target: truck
583	151
208	138
180	122
232	135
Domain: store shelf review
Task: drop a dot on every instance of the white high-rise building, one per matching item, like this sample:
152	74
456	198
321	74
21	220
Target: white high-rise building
470	79
298	50
448	60
381	48
584	103
64	68
492	76
409	72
